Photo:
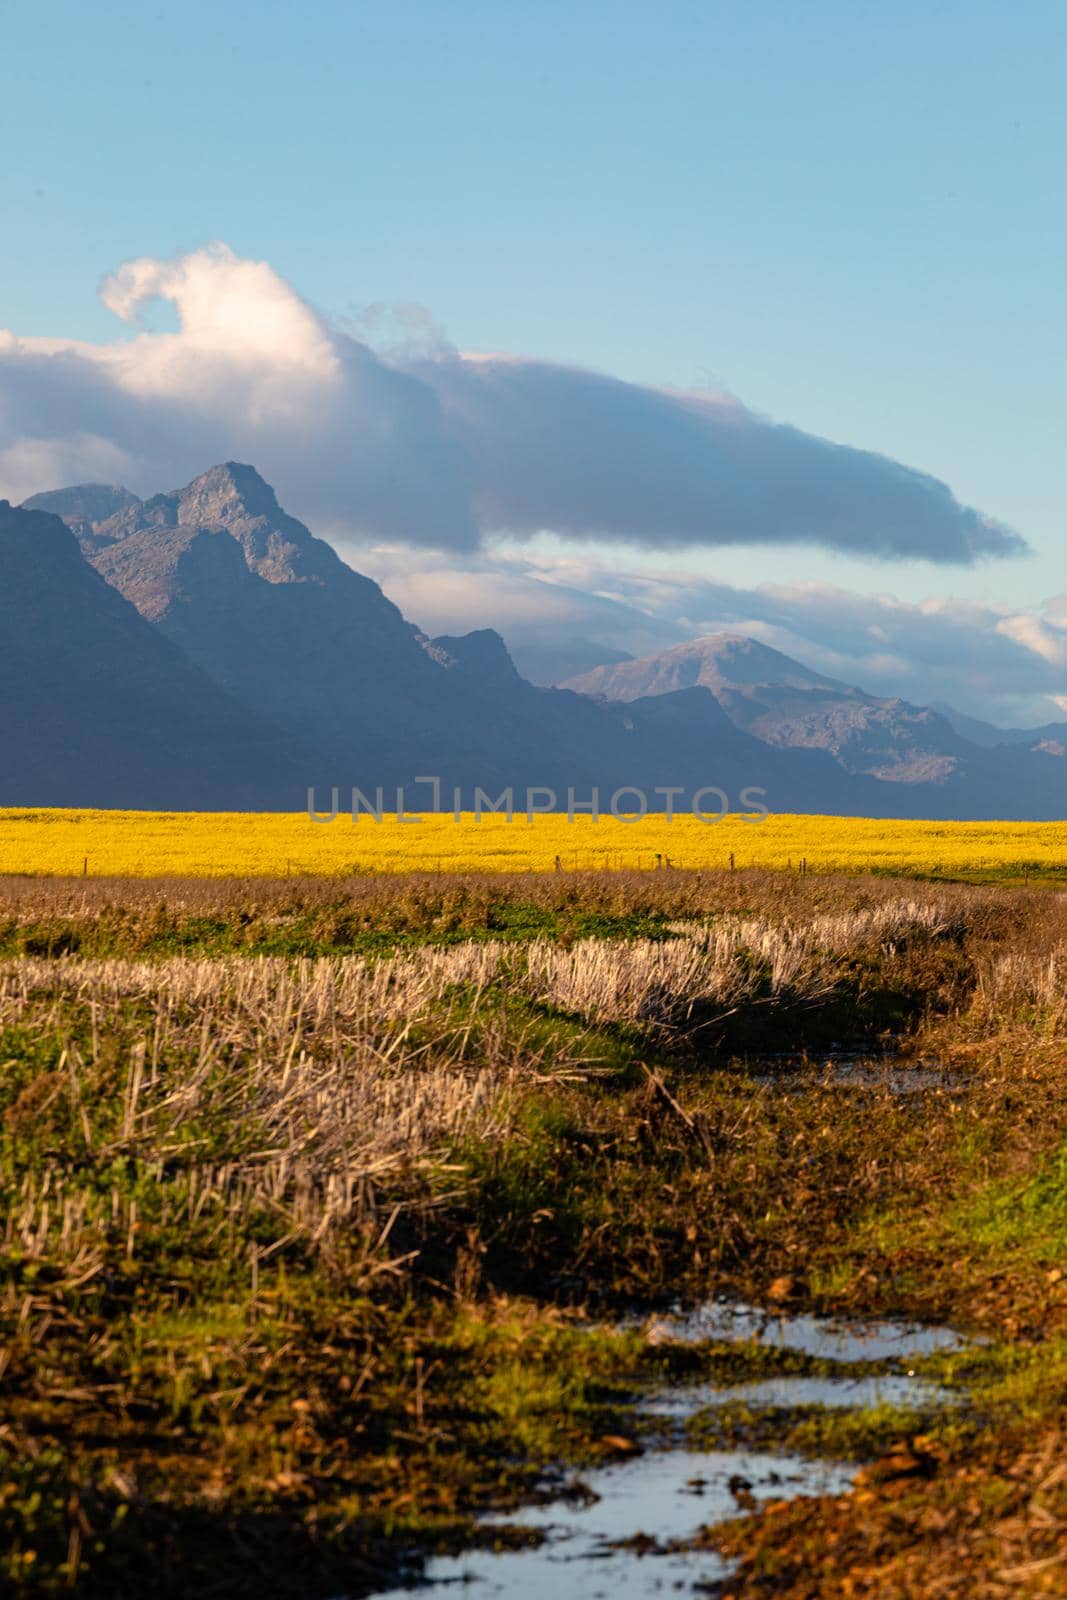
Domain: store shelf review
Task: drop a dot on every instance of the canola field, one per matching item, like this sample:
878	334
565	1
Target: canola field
270	845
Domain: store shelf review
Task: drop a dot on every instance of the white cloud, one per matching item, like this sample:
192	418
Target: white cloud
1037	635
433	447
79	458
226	307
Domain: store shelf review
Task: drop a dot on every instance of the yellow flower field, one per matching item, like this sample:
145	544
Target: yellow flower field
203	844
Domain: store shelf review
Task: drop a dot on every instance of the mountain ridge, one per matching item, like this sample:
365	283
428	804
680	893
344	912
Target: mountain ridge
780	700
791	706
278	624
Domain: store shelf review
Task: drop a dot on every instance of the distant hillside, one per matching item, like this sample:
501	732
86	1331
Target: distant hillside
84	505
1048	735
551	660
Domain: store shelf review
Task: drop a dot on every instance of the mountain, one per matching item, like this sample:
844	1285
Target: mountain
277	622
547	658
276	618
777	699
99	708
1049	736
83	506
681	738
481	654
913	750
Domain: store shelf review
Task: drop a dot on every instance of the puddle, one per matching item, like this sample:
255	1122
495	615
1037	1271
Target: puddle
781	1393
606	1545
816	1336
892	1075
610	1544
669	1495
854	1070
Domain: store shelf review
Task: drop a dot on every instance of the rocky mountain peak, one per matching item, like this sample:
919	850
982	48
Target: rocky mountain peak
84	506
483	652
231	491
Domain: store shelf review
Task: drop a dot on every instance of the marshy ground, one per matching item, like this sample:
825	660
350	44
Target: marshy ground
347	1223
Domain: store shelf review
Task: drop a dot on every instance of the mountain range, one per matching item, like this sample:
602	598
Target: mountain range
920	749
779	700
203	649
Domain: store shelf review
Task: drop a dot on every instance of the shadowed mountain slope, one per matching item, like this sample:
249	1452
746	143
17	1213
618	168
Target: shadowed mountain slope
99	708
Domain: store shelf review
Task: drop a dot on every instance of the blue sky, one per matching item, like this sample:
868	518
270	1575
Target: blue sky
848	215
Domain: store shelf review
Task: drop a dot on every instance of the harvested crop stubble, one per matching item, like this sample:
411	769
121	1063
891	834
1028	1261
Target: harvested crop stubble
307	1088
342	1072
281	1002
1013	979
351	1070
724	964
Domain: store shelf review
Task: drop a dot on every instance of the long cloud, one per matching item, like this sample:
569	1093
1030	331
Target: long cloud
443	450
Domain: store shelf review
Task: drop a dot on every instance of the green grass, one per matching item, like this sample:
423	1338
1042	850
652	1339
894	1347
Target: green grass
337	928
1025	1217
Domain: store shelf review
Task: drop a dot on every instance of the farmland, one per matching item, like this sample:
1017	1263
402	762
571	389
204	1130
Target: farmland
271	845
339	1212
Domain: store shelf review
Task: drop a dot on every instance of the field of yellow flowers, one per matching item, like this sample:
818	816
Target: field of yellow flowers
237	844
